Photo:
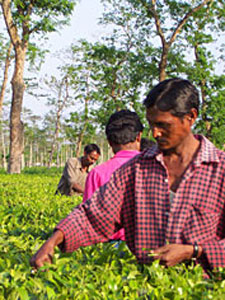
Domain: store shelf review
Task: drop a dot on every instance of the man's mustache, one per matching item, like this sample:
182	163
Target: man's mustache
161	140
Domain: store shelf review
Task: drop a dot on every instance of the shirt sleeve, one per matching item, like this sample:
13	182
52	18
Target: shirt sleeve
213	254
214	249
69	171
93	182
95	220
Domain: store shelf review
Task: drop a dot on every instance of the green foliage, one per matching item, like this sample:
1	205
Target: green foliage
73	128
39	18
53	171
195	52
47	14
29	211
106	77
211	86
2	171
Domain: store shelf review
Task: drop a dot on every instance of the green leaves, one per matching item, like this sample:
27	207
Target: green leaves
29	211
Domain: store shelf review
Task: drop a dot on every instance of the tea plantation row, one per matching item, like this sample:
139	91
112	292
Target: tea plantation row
29	210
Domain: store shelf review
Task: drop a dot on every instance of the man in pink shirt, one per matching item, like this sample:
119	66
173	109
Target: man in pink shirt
123	132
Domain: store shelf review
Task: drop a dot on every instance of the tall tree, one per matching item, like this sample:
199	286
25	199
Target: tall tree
177	36
7	59
60	100
157	11
81	69
23	19
4	135
203	72
32	136
107	77
118	75
157	24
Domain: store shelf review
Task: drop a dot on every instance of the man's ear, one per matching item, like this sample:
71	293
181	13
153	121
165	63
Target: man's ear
110	143
192	116
138	138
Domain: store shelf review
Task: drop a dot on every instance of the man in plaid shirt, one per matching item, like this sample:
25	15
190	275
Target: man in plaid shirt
170	198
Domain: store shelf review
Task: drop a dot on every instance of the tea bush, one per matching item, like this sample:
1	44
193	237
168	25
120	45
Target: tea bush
29	211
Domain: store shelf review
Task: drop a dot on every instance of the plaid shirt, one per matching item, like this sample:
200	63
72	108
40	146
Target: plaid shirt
137	198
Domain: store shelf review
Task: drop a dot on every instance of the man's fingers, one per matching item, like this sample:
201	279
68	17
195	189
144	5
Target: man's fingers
40	262
32	262
36	263
50	256
33	271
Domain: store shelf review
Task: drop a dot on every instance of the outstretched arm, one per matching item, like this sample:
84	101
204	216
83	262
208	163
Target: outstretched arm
89	223
77	187
45	253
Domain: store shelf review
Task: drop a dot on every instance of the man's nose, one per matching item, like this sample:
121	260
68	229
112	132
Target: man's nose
156	132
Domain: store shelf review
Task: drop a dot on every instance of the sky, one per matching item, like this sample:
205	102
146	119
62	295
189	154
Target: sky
83	24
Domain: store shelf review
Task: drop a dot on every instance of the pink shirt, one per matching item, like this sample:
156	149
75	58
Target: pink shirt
102	173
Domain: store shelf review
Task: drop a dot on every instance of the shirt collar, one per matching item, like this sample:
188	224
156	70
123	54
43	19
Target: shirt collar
206	153
151	152
126	153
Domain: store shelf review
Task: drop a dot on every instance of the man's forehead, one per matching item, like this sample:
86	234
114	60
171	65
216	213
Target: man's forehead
154	114
155	110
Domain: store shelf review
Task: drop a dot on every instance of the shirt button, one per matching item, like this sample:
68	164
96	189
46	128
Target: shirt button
166	180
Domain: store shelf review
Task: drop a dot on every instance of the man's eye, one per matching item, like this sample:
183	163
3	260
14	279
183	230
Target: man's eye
159	125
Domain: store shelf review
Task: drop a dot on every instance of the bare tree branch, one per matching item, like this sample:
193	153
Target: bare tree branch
185	18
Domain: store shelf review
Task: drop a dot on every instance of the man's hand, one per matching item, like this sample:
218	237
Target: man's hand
77	188
170	255
45	253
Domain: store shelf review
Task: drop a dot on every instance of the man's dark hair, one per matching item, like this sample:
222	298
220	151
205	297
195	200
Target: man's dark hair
90	148
178	96
123	127
146	143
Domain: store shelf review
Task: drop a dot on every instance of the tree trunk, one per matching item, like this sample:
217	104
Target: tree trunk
61	158
20	48
58	156
163	63
54	142
101	159
81	135
44	156
16	125
60	106
5	78
3	146
166	44
22	157
80	139
4	163
30	155
67	155
37	155
41	159
110	153
202	83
